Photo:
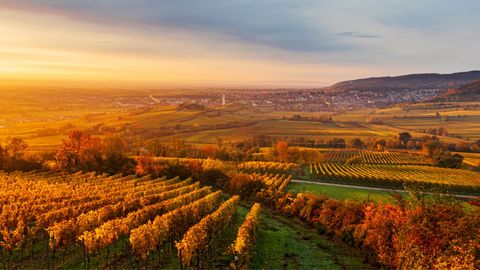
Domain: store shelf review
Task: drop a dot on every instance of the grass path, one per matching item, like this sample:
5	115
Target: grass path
287	244
461	196
340	192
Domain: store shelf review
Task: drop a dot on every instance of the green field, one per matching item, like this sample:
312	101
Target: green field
285	244
341	193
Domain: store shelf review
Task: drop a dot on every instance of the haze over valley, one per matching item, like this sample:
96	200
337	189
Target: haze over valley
239	134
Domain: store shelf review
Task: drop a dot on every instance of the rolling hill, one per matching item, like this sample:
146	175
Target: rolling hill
411	82
468	92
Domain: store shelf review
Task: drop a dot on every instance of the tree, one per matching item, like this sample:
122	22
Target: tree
16	147
79	152
404	137
280	151
447	160
410	145
116	162
244	185
355	143
146	165
380	148
156	147
430	146
337	143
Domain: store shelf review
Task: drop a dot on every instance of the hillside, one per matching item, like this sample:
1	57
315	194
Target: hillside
468	92
411	82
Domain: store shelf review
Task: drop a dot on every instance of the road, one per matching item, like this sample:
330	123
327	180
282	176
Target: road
461	196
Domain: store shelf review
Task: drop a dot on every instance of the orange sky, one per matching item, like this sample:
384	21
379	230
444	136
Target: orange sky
41	47
57	51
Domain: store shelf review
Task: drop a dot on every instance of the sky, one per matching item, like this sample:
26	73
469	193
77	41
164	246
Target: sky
231	43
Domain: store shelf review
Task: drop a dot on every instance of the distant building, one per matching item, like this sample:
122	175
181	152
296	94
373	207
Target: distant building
223	100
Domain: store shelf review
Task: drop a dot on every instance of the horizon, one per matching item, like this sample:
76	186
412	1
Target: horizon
242	134
301	45
228	86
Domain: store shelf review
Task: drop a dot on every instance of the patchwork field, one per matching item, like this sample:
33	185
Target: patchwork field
396	176
471	159
43	125
457	118
286	128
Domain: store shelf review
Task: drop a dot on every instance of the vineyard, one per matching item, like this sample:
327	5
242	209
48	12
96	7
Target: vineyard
52	220
372	157
396	176
268	167
243	246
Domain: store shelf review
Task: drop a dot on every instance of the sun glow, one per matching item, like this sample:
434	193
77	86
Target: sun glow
56	50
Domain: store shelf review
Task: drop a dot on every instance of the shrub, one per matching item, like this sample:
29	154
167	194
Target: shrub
244	185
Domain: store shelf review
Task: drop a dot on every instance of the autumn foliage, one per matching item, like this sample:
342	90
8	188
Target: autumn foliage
245	242
244	185
83	152
79	152
147	165
425	233
196	242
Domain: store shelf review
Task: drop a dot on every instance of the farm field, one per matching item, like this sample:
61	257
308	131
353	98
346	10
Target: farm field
43	125
396	176
471	159
467	127
418	117
286	128
461	122
372	157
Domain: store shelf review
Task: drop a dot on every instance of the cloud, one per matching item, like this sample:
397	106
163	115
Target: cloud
325	40
283	24
357	35
425	15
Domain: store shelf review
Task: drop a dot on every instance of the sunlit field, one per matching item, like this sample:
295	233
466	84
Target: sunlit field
43	126
239	135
